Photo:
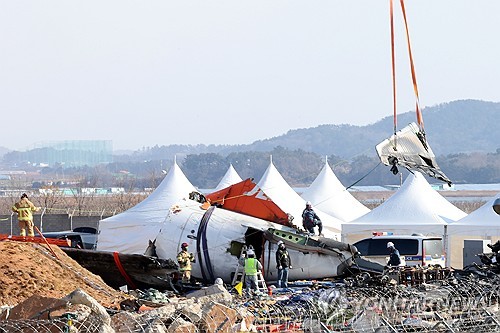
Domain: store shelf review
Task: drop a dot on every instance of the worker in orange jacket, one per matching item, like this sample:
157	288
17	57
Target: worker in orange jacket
24	209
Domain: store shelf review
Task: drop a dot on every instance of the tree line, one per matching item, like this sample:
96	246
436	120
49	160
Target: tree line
298	167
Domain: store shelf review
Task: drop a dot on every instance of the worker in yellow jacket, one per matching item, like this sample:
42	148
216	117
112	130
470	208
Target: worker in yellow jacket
252	267
24	209
184	258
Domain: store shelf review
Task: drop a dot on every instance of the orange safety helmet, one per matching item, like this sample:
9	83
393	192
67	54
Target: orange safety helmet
184	245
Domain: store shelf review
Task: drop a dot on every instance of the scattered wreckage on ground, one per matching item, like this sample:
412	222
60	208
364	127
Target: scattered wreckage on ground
447	301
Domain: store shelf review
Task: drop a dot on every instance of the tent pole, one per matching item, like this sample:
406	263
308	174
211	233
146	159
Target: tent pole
446	245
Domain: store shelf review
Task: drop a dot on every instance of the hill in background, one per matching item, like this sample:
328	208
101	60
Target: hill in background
464	136
463	126
457	127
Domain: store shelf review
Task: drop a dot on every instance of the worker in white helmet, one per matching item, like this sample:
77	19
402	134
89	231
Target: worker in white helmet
394	259
283	263
310	220
252	267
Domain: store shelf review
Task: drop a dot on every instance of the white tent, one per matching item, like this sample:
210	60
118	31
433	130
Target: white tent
483	223
230	178
329	195
129	232
275	187
415	208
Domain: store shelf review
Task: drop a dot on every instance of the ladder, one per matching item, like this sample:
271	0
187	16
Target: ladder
239	274
261	283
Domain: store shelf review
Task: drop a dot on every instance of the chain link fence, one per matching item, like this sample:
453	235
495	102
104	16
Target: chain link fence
460	303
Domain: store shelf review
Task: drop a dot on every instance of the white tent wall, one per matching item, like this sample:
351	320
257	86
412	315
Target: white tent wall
483	223
327	194
456	247
231	177
275	187
129	232
130	238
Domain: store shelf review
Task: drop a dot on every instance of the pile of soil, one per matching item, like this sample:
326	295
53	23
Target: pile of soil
28	269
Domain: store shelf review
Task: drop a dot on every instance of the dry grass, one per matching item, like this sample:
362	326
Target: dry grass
116	203
78	205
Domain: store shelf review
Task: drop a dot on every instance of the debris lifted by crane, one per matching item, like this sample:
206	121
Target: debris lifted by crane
409	148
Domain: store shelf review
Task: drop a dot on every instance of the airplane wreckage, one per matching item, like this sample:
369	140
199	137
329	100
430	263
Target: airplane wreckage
217	228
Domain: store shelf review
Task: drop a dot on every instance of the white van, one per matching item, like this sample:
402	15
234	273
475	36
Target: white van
414	250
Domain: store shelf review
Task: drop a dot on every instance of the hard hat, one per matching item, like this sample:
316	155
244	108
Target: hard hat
184	245
390	244
308	203
219	281
280	242
250	253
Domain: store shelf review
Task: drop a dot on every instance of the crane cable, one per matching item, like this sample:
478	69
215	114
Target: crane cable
393	63
420	120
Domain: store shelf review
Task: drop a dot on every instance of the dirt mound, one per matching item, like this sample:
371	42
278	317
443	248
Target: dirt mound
27	269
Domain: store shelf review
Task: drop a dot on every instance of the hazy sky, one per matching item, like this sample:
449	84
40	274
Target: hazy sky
142	73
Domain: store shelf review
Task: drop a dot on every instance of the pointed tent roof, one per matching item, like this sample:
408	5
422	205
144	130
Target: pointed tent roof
481	222
173	187
130	230
329	195
230	178
275	187
415	207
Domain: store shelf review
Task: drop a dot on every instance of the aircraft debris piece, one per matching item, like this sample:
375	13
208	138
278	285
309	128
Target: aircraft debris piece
408	148
247	198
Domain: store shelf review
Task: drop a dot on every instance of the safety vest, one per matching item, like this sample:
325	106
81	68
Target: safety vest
250	266
23	209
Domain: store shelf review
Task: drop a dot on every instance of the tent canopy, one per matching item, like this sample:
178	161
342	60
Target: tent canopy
129	231
481	222
277	189
329	195
231	177
415	208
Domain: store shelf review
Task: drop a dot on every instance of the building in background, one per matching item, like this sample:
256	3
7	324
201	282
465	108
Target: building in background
68	153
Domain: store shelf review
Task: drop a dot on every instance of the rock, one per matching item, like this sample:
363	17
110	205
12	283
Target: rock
163	313
194	312
37	307
80	297
126	322
218	318
181	326
214	293
243	326
157	326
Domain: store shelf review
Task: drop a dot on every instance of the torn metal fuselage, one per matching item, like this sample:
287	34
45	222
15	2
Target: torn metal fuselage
216	236
409	148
